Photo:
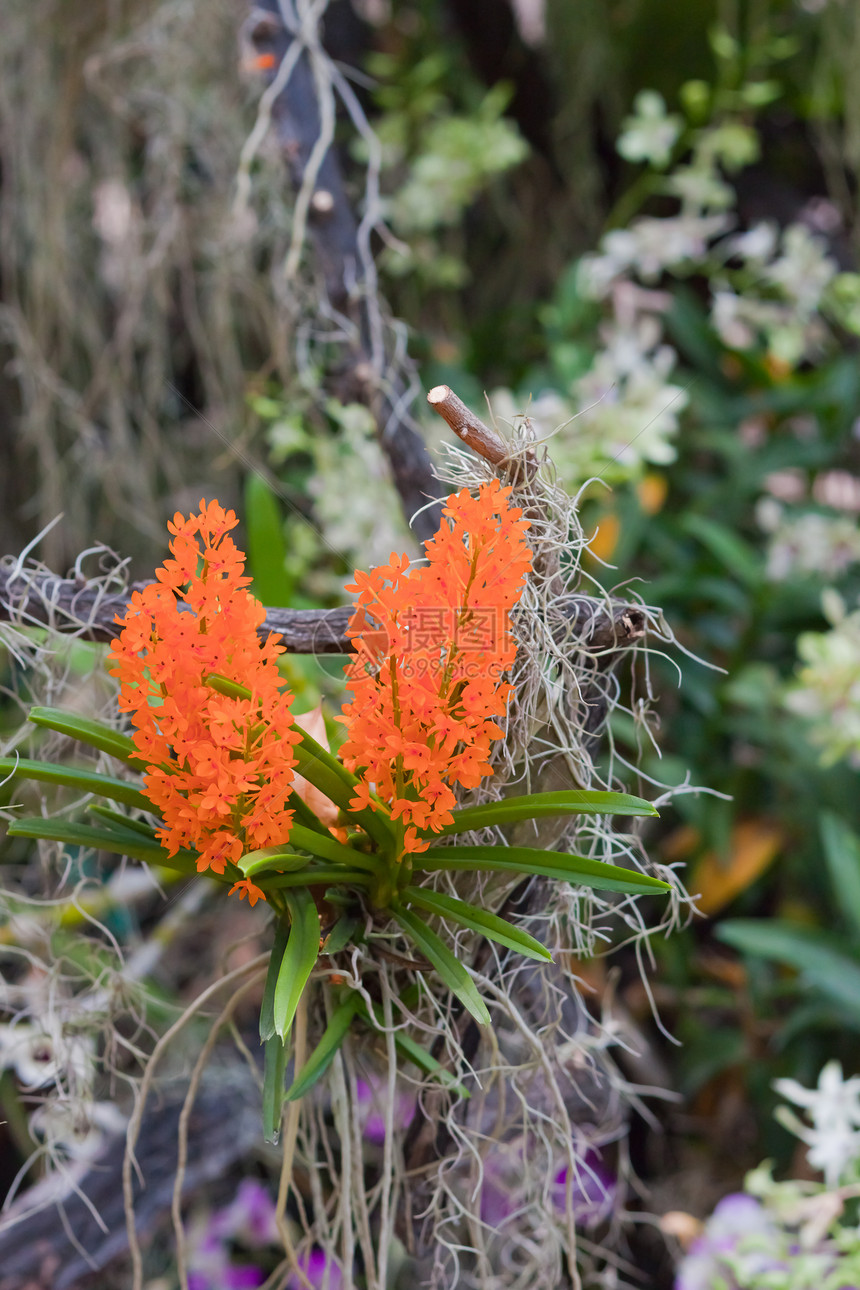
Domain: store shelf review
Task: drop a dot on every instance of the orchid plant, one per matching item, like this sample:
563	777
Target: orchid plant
230	785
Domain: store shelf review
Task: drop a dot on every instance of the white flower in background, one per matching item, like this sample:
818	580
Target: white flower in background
807	543
757	245
38	1058
650	133
789	484
742	321
548	412
627	404
621	413
827	691
803	269
656	245
76	1127
700	188
650	247
839	489
833	1141
730	319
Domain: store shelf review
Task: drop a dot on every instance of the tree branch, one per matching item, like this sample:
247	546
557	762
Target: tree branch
33	598
373	374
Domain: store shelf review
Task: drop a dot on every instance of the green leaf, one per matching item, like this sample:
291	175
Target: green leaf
537	806
331	777
326	1050
842	851
314	876
299	959
341	934
736	555
267	551
87	731
551	864
274	1066
271	859
136	846
479	920
267	1007
328	848
450	969
303	814
85	781
820	961
122	822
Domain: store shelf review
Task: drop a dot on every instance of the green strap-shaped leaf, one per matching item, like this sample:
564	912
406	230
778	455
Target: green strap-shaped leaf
328	848
332	778
87	731
326	1050
537	806
117	820
267	1007
271	859
313	876
342	933
450	969
302	814
300	956
131	844
550	864
479	920
274	1066
85	781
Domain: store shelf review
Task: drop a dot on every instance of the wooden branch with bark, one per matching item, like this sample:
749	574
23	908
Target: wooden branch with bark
33	598
343	256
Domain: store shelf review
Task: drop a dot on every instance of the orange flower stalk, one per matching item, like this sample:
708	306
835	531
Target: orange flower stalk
432	644
219	770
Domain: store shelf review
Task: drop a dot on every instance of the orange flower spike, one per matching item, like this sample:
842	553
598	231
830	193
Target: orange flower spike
416	698
218	769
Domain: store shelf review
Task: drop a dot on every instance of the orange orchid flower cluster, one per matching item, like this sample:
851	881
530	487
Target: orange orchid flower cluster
219	769
432	644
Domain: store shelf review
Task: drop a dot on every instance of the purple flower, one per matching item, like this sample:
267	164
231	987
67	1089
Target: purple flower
315	1264
595	1189
741	1230
371	1105
593	1192
249	1218
226	1276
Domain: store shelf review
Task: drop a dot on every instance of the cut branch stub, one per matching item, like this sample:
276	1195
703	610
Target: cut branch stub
475	434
